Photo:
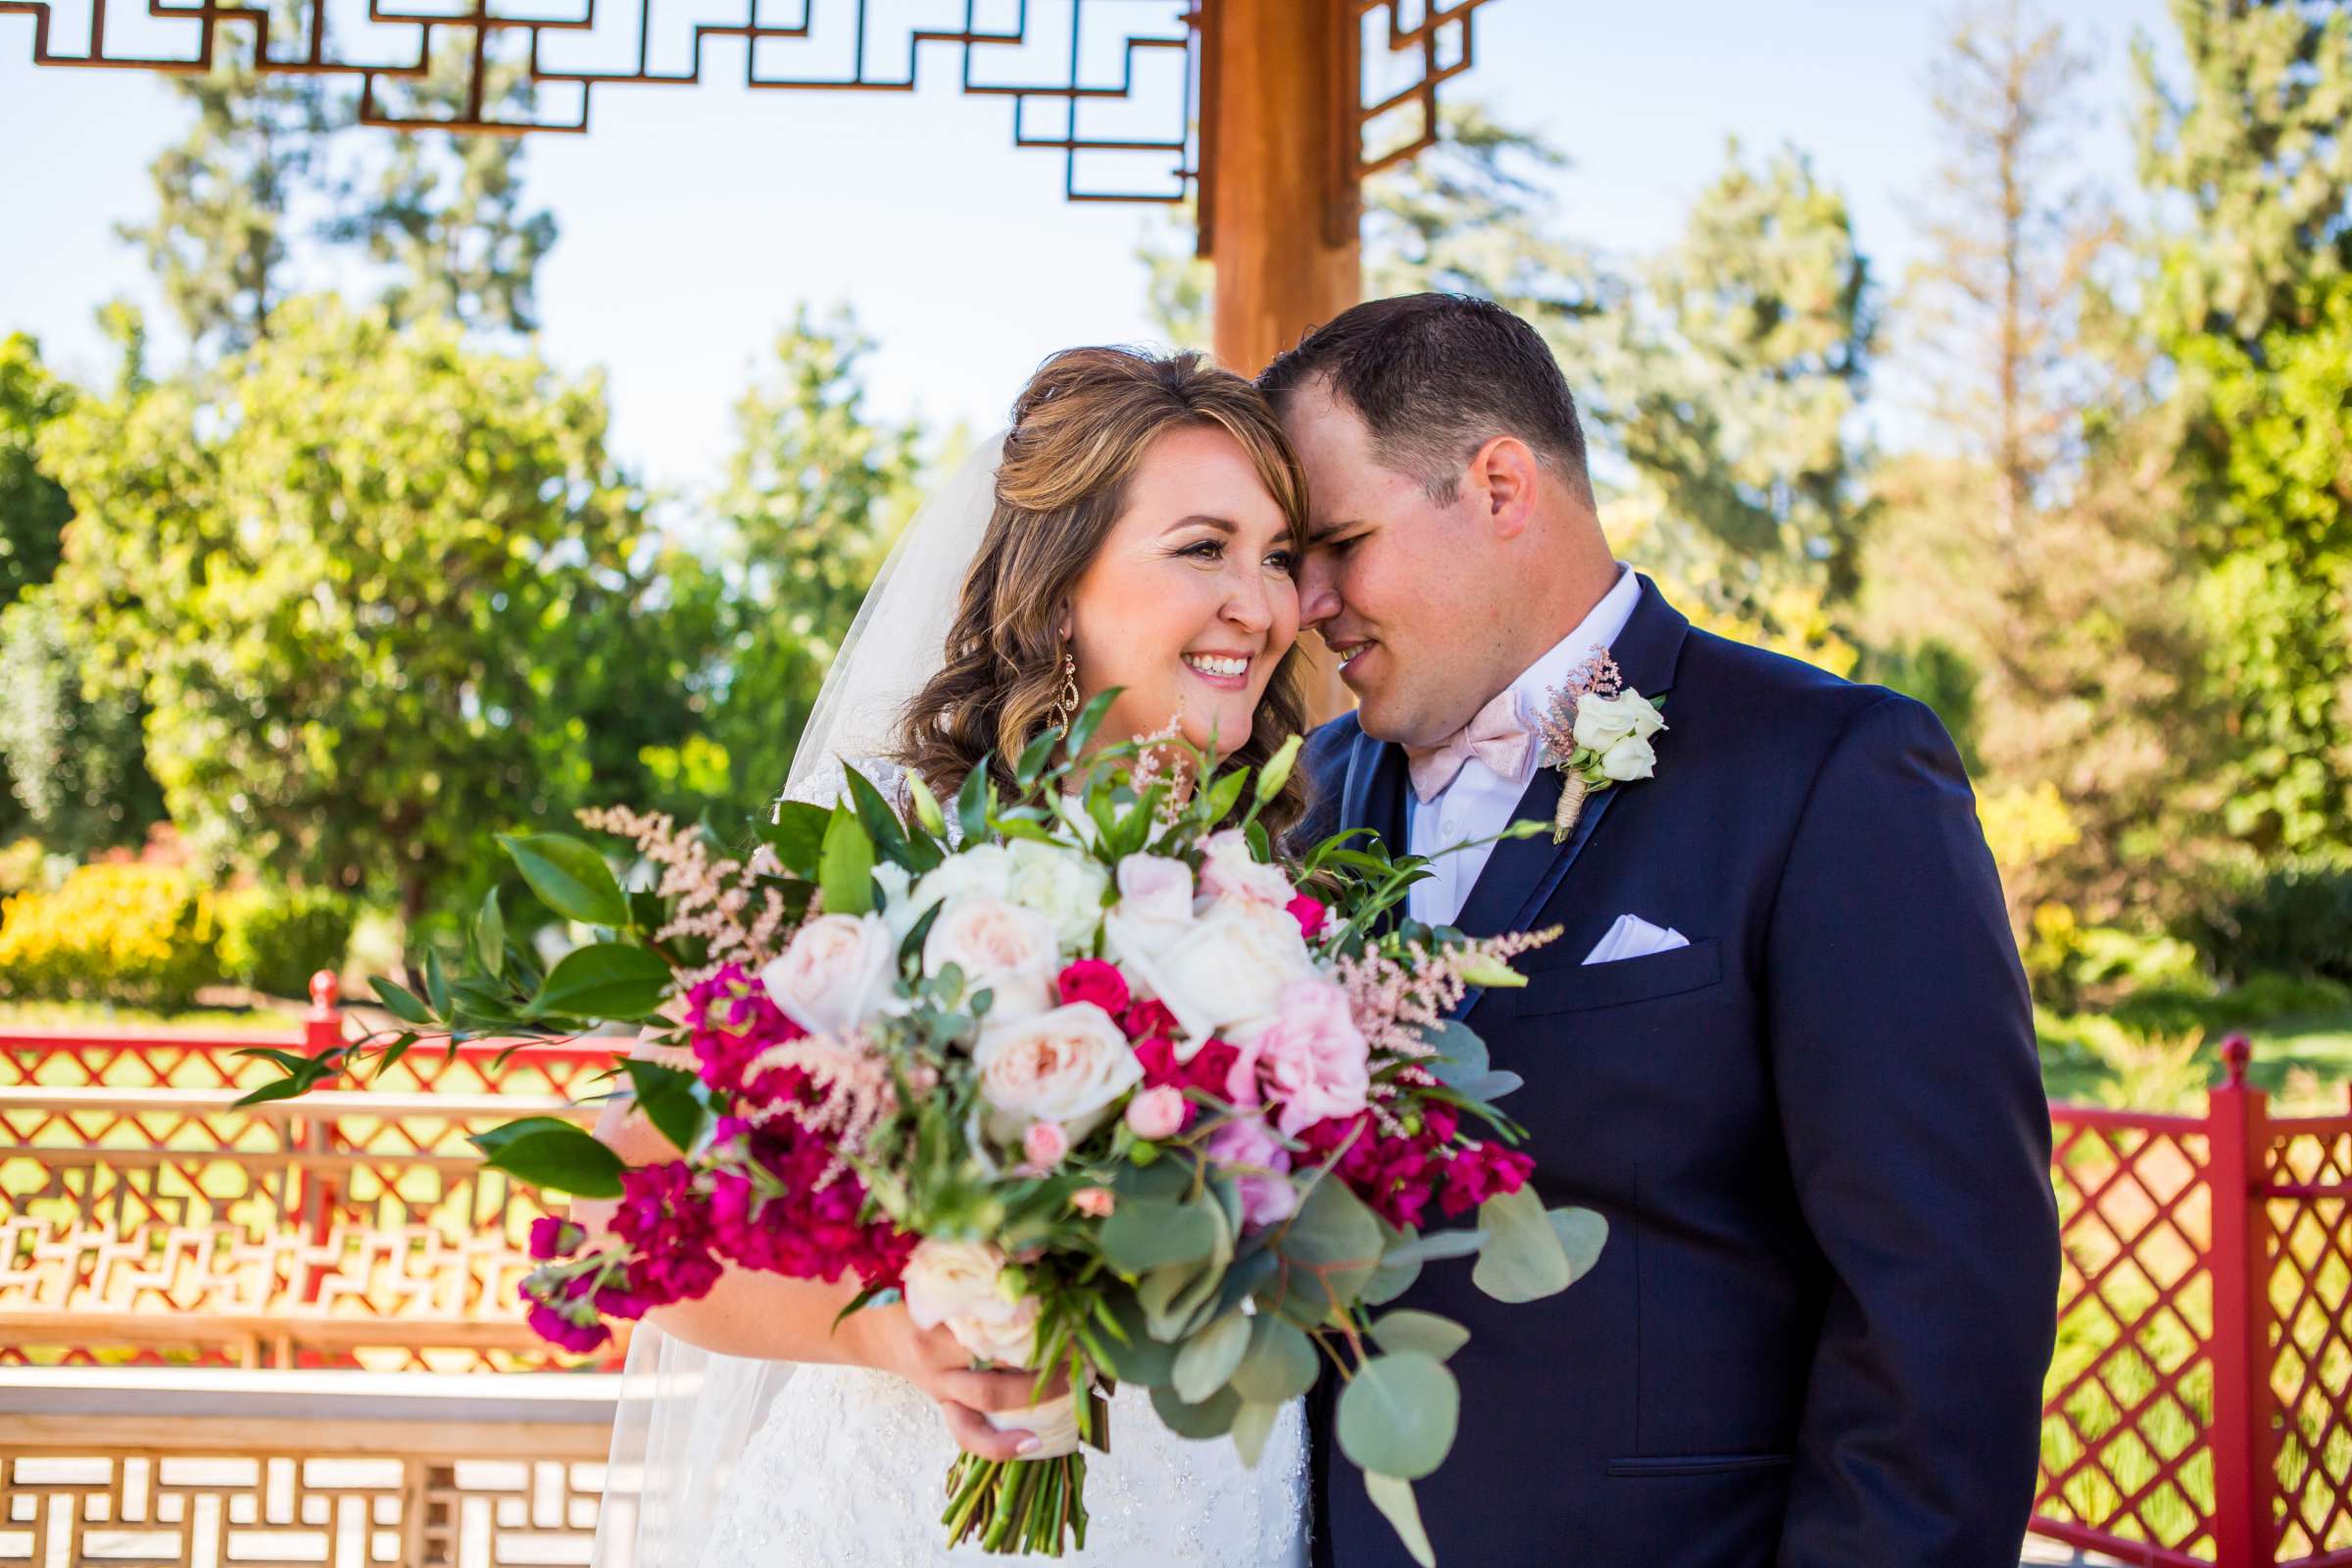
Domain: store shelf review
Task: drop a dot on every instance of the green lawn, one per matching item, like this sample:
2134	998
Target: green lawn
2157	1049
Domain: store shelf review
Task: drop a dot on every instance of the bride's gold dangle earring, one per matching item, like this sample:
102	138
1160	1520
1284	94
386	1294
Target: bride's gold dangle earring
1065	706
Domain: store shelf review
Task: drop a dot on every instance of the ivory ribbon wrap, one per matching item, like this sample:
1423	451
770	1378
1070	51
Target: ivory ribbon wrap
1054	1422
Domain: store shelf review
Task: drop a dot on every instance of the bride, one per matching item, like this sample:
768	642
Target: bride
1137	527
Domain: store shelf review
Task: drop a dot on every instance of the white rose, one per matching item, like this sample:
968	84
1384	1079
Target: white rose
1066	886
1603	721
1155	891
1000	948
984	868
950	1279
836	971
898	900
1228	871
1226	973
1010	1340
1630	758
1069	1065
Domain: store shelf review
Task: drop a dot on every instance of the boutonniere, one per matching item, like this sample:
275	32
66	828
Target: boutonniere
1596	732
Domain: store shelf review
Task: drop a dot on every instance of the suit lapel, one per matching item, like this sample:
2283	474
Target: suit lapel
1521	875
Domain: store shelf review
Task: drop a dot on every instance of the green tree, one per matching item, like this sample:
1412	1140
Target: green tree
817	489
2249	296
447	213
221	237
2028	573
335	567
76	772
33	511
1738	388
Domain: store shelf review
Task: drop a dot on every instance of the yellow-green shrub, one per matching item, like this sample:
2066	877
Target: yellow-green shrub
119	931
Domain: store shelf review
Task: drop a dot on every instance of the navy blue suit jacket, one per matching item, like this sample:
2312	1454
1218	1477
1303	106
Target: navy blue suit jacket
1816	1336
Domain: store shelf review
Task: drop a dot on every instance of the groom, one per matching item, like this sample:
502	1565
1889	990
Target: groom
1782	1043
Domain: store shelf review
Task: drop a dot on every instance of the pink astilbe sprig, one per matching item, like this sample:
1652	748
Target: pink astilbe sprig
1597	676
717	899
848	1093
1394	998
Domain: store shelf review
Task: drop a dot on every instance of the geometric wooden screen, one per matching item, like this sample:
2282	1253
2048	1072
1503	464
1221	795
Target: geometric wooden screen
1113	85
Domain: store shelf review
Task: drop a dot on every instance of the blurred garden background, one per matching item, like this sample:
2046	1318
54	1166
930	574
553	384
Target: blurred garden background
322	563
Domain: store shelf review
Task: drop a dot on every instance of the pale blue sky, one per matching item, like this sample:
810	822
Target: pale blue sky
694	218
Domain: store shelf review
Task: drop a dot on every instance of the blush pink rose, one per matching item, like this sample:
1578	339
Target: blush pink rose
1094	1201
1312	1056
1259	1163
1156	1113
1228	871
837	970
1045	1145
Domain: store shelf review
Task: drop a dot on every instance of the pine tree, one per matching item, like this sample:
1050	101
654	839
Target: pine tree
2250	300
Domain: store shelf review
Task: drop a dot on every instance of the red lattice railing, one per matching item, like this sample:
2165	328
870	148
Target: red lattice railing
142	1218
2196	1409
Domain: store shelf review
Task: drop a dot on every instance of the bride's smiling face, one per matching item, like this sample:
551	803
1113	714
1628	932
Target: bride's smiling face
1190	603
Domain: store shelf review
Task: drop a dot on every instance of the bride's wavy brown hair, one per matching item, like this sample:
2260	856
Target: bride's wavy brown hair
1080	429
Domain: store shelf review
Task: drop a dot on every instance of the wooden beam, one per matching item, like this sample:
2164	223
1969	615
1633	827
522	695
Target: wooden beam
1281	198
1282	188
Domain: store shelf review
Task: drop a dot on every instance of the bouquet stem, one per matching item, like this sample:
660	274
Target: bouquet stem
1031	1507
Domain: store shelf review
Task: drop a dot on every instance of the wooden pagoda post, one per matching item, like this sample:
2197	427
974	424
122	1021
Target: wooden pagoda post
1281	196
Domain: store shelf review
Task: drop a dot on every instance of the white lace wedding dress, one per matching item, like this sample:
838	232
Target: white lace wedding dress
848	1470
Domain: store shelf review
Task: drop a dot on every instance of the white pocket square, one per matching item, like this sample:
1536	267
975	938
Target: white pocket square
1633	936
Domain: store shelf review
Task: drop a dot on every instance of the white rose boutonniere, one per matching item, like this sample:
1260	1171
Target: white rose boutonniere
1596	732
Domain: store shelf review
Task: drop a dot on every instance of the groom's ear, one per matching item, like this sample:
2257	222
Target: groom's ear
1503	475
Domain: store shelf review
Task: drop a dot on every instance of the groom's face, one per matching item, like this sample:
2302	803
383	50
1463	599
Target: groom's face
1396	584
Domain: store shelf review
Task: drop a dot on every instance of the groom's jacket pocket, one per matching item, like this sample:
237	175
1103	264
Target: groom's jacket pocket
1576	987
1697	1464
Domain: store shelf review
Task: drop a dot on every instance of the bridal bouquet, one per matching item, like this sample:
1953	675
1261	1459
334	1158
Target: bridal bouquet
1087	1073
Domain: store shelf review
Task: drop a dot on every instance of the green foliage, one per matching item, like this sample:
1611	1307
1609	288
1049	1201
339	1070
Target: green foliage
2249	299
124	930
75	761
273	938
817	489
219	241
2293	919
339	570
33	510
1744	374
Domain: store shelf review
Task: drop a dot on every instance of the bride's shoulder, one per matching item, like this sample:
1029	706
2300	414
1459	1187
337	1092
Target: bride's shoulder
828	783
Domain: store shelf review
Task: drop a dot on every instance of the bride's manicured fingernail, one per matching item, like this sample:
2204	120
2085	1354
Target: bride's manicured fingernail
1028	1445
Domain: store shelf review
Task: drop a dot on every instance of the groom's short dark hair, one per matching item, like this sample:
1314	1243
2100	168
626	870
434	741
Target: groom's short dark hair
1436	376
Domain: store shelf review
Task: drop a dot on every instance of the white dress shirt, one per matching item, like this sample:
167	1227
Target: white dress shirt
1479	804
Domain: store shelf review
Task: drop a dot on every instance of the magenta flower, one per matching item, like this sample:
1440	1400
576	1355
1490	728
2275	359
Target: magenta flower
1093	980
553	1238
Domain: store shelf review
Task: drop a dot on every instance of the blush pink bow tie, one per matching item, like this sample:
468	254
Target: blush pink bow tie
1495	735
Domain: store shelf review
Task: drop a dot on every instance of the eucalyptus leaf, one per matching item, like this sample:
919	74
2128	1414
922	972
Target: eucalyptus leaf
1141	1360
1461	1053
1523	1260
568	876
1398	1415
1281	1362
1394	1497
1253	1424
1405	1329
1333	1240
1207	1360
1148	1232
1213	1418
1582	1233
1432	1245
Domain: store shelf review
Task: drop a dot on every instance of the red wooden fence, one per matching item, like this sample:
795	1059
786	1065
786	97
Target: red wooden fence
2197	1408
